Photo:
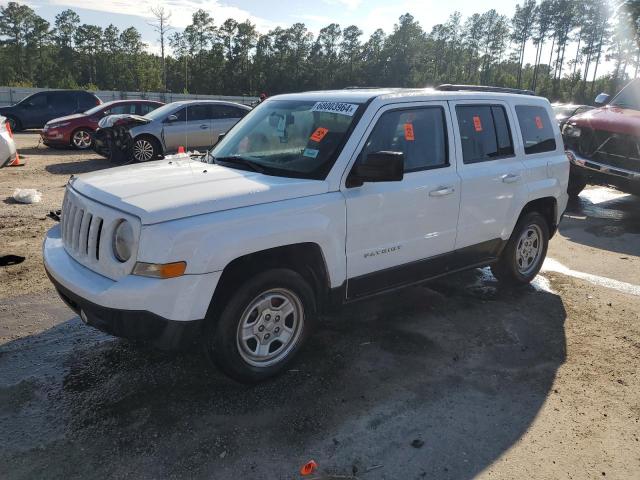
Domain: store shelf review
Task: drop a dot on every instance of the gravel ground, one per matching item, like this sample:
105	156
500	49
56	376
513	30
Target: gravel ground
457	379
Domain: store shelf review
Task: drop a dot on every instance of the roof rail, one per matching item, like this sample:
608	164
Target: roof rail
447	87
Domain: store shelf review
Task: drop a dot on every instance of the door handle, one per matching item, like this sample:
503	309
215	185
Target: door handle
204	127
442	191
511	178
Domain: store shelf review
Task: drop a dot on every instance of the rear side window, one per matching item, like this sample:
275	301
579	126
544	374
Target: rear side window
536	128
86	100
227	111
122	109
144	108
419	133
484	133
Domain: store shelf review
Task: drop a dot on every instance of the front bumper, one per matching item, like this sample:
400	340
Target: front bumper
592	167
54	137
169	312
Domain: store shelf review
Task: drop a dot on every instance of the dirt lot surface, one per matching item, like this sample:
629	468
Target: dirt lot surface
461	378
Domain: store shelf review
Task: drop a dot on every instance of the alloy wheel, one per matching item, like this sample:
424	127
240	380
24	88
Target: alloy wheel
143	150
81	139
529	249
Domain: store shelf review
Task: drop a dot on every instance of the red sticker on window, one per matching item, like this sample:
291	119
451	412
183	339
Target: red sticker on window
477	123
408	132
539	123
319	134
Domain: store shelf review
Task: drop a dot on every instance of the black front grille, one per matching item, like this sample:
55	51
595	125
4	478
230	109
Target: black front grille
613	149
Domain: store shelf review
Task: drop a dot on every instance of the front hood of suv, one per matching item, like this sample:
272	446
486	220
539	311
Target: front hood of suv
166	190
612	119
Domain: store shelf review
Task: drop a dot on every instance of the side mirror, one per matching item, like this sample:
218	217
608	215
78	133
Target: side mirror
377	167
171	118
602	99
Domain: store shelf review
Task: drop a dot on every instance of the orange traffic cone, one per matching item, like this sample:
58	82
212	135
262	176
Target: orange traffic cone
16	162
180	149
308	468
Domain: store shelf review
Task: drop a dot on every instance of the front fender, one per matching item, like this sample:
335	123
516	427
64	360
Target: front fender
208	243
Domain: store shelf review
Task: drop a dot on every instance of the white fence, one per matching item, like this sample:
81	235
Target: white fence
11	95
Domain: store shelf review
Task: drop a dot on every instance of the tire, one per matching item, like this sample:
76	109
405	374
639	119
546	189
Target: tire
516	266
14	123
145	149
256	306
576	185
81	139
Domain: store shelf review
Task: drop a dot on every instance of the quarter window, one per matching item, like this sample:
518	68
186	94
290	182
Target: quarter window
537	132
484	133
419	133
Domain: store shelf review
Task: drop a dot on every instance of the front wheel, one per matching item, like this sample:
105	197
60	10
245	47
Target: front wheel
145	149
525	252
81	139
262	326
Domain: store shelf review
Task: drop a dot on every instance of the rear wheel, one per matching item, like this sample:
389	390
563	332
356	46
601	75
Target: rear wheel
262	326
525	252
81	139
145	149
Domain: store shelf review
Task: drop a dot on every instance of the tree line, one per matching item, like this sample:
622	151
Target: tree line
568	39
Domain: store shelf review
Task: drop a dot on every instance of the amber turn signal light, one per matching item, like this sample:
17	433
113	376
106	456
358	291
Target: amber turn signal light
160	270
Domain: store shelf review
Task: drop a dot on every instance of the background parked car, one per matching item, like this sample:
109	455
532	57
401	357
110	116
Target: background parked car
604	144
76	130
564	111
37	109
7	145
194	124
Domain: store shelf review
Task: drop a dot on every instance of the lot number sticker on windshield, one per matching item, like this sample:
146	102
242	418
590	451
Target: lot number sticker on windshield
335	107
319	134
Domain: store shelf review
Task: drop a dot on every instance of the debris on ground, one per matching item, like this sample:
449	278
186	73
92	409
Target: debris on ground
54	214
10	260
27	195
417	443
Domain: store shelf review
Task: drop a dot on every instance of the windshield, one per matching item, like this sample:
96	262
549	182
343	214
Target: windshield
563	110
629	97
295	138
98	108
161	112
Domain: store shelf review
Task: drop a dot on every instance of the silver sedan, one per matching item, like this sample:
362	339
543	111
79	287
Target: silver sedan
193	124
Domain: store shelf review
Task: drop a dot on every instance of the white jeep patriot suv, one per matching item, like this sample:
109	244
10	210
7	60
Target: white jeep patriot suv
311	199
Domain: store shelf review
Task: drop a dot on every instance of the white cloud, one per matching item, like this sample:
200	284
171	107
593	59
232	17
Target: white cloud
350	4
181	10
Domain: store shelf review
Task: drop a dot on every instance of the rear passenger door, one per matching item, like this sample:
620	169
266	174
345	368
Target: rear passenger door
397	232
493	186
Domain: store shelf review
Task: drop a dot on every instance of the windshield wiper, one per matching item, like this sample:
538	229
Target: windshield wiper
238	160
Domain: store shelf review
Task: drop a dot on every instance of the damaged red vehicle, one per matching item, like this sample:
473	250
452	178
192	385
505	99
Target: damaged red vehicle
603	145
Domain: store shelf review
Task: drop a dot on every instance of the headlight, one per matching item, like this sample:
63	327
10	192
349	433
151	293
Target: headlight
571	130
123	241
58	125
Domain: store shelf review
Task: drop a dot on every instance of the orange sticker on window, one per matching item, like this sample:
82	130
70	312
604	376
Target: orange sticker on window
408	132
539	123
319	134
477	123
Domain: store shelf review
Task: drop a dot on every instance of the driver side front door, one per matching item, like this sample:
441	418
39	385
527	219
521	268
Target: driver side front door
399	232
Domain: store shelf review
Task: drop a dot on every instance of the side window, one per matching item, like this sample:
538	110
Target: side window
38	100
86	100
198	112
181	114
484	133
122	109
419	133
227	111
63	101
144	108
536	128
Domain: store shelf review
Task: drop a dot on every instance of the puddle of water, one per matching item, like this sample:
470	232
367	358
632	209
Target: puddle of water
551	265
601	195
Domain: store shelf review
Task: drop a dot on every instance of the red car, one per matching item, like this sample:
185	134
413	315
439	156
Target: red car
75	130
